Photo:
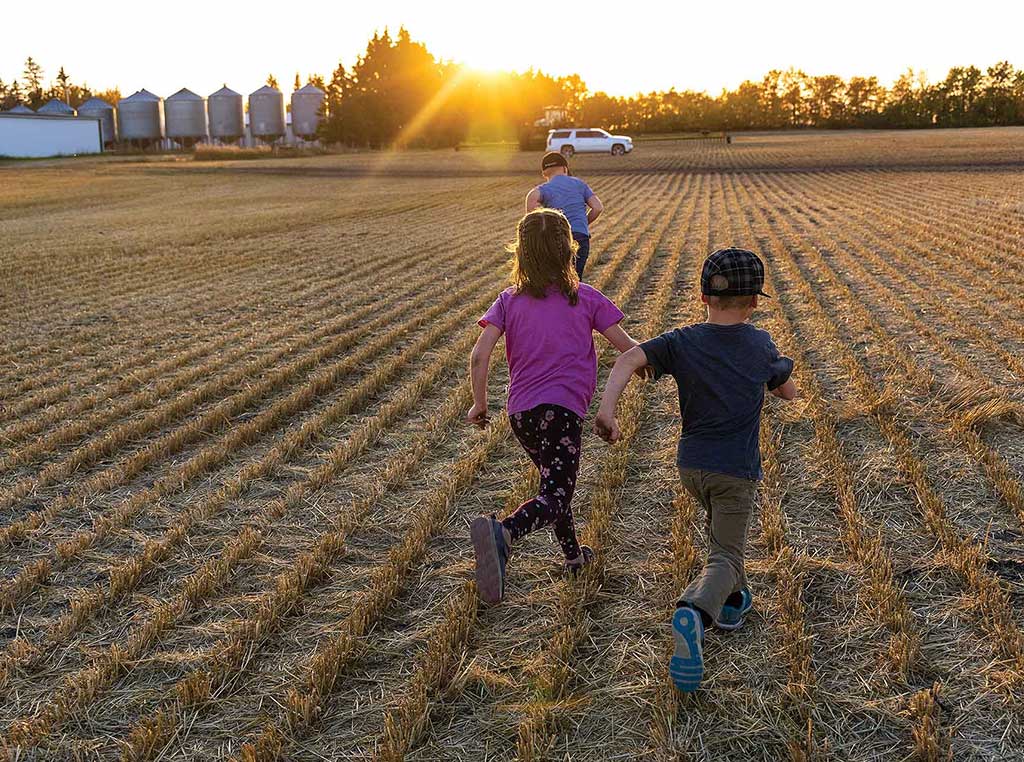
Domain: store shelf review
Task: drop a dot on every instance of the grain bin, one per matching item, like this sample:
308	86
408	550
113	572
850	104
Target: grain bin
185	117
266	113
56	107
227	115
306	105
98	108
21	108
140	117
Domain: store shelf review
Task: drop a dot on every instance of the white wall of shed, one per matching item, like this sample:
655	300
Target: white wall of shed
38	137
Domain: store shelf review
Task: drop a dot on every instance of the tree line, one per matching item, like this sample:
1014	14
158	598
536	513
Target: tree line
33	92
397	93
967	97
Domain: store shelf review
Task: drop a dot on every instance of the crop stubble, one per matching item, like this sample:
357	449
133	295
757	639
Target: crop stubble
235	484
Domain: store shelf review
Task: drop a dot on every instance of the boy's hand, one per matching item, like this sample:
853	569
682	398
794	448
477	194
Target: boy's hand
787	391
607	427
646	372
477	415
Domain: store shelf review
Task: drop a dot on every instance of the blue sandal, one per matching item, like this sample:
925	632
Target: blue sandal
491	553
687	664
732	617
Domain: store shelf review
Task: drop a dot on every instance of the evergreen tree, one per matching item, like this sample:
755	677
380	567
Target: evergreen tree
33	78
62	80
15	95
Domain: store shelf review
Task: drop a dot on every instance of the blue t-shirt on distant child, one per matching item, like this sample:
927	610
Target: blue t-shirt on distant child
569	194
722	372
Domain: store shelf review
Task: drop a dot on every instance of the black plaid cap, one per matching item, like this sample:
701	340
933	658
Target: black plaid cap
742	269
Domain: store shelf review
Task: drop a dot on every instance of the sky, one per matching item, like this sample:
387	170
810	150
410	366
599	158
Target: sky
620	47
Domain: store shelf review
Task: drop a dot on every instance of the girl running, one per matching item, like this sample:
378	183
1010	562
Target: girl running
548	318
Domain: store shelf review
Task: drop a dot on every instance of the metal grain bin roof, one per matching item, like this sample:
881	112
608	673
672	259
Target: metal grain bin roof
99	108
225	92
56	107
21	108
96	104
184	94
141	95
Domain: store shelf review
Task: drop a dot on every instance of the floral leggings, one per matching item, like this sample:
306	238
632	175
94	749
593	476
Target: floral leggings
552	436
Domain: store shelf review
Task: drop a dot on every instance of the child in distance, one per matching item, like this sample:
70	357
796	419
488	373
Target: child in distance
571	196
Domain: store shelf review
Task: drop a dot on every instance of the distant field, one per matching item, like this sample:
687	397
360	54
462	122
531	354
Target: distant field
235	485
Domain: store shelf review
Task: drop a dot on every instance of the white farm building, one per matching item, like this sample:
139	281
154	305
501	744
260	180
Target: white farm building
39	135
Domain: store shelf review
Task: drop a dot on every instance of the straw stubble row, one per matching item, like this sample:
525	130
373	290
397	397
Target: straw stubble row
304	701
247	541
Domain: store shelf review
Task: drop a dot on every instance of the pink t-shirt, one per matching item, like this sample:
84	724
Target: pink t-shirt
549	345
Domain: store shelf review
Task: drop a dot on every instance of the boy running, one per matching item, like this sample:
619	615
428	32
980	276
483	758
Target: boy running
721	367
572	197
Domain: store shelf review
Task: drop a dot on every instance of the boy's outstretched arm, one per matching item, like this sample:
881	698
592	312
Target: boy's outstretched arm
605	425
623	342
594	208
786	391
533	200
479	365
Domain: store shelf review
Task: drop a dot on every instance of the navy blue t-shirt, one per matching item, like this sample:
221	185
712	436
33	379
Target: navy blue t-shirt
722	372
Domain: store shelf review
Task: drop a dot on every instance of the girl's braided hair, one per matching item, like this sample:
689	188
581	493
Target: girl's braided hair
544	255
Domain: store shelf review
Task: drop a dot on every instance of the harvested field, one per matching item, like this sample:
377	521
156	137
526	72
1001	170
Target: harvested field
235	484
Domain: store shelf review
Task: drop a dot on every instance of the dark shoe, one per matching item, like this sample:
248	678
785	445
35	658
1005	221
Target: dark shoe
491	552
588	557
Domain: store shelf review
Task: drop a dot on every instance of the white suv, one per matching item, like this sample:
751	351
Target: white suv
588	141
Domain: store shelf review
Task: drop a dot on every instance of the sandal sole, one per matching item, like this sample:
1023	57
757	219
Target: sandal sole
489	583
687	664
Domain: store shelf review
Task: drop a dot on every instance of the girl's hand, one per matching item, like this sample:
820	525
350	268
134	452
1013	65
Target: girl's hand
607	427
646	372
477	415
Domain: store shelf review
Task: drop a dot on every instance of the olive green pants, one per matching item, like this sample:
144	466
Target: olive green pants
728	503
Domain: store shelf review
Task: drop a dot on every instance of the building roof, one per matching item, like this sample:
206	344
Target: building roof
184	94
142	95
95	103
12	114
225	92
56	106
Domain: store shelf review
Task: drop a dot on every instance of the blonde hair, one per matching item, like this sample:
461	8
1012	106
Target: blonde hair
544	255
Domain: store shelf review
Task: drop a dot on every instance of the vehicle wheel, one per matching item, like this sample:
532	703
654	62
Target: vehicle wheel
618	149
568	151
